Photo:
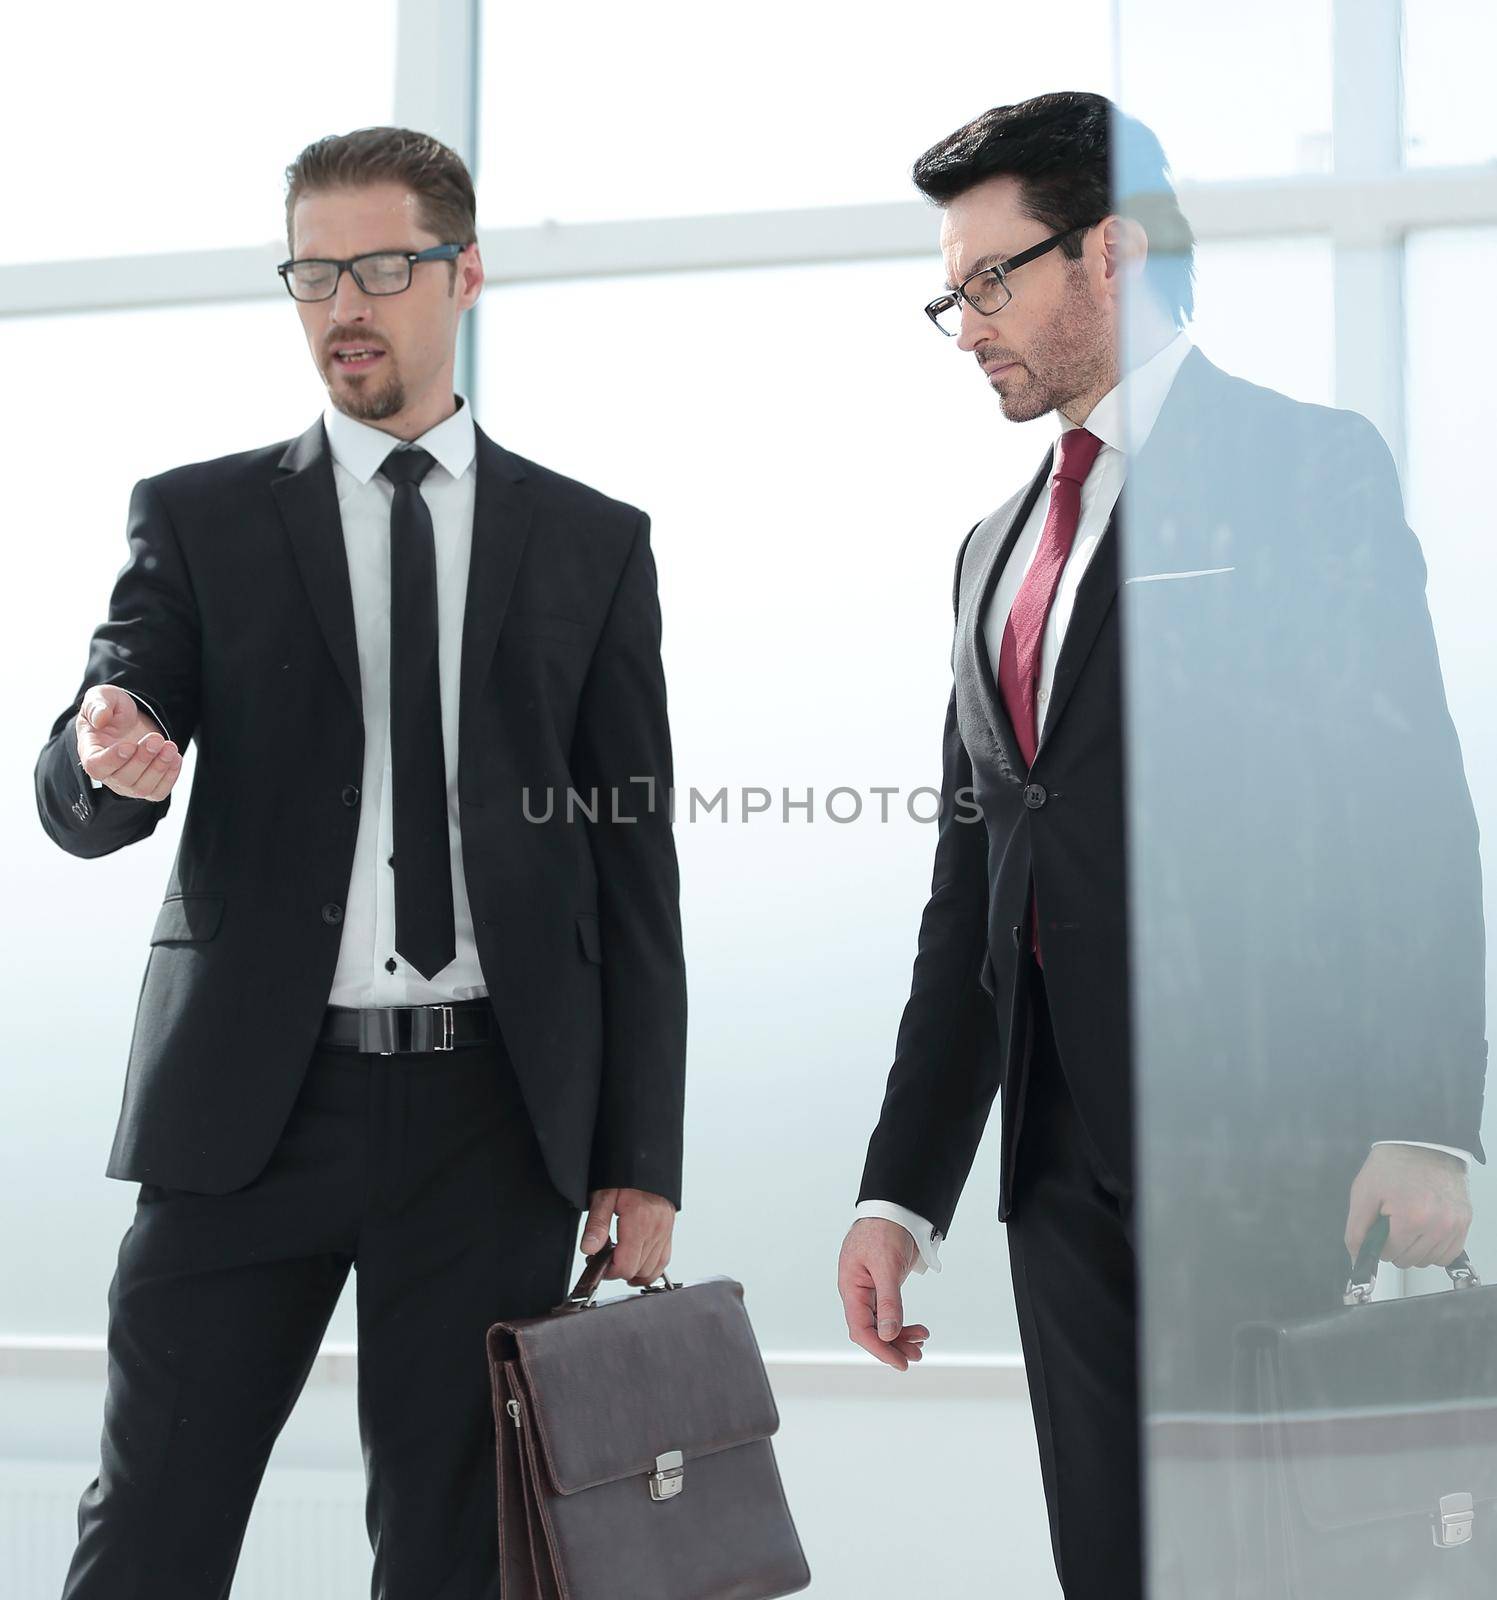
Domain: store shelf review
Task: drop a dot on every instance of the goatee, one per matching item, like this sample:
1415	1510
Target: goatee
366	403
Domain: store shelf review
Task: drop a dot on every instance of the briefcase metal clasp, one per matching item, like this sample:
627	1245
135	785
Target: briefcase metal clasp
669	1477
1454	1524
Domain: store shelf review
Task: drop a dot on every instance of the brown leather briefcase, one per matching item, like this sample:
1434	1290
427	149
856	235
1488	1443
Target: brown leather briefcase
634	1450
1372	1465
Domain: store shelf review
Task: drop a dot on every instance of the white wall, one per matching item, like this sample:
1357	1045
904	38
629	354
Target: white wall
934	1478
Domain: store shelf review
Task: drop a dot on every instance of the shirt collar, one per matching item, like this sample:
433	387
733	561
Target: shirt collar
361	449
1124	417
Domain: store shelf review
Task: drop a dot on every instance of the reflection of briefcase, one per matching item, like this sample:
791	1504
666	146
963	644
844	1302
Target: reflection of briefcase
1371	1464
634	1450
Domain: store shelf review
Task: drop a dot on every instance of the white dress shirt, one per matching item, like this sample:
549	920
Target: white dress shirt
1125	415
370	972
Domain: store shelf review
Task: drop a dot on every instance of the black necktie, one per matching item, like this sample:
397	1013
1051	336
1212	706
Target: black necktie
424	932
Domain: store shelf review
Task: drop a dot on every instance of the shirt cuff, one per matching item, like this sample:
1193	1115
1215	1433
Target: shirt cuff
1424	1144
927	1239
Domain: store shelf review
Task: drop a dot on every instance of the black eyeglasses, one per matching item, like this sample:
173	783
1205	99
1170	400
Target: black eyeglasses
378	272
987	290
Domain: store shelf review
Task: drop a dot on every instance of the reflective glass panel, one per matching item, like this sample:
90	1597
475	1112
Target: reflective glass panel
1307	681
1172	58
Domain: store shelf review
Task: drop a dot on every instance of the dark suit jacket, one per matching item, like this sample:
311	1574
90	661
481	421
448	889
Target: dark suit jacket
233	618
1254	852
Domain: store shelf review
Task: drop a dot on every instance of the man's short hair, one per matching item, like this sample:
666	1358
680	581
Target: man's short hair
445	203
1079	159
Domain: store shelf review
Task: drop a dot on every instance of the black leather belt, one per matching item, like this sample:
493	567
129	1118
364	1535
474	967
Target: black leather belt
402	1030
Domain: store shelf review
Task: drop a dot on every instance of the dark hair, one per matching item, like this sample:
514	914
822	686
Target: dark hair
1070	149
445	203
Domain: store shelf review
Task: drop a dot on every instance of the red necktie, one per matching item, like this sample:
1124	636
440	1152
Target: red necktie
1019	654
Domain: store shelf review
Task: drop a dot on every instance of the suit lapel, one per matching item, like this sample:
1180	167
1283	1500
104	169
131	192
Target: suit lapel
307	497
973	641
503	507
1183	405
1095	595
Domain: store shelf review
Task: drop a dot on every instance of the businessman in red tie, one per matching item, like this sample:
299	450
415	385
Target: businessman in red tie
1074	300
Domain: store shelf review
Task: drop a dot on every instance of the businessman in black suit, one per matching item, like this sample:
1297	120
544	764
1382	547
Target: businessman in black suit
1251	857
407	1007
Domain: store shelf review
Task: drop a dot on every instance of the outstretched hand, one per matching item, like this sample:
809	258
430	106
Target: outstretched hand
123	746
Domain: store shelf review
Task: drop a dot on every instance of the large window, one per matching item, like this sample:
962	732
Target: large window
173	121
810	451
109	397
1449	46
672	109
707	267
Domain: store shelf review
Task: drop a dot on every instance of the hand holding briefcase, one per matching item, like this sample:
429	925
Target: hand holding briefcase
1371	1464
634	1450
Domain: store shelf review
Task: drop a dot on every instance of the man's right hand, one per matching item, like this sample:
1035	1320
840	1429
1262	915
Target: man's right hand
877	1257
123	746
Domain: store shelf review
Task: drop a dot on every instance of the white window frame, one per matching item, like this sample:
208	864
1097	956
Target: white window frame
1366	208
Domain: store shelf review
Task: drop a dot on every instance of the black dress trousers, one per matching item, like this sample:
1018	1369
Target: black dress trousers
422	1173
1071	1251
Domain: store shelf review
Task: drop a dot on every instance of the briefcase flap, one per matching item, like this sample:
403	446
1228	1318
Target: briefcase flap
613	1387
1383	1409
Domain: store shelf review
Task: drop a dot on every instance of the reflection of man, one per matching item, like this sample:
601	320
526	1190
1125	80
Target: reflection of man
1263	709
388	1021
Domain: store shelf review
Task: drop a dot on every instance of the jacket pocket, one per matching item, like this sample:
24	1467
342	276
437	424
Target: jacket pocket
591	938
187	918
1163	577
547	624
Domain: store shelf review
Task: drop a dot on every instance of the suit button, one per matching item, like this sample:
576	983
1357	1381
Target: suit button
350	794
332	913
1016	934
1034	795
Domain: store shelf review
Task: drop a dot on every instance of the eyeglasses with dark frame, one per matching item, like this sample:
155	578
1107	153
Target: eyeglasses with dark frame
992	293
375	272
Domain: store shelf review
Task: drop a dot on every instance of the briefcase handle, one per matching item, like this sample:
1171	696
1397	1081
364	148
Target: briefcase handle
1364	1273
590	1279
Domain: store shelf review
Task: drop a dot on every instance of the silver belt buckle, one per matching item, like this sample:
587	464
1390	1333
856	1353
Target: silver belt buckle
425	1028
431	1028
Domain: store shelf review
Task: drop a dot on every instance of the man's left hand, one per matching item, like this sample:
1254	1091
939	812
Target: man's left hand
1427	1198
646	1222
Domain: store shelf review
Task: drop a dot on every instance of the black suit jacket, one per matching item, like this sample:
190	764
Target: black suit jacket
233	619
1254	852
